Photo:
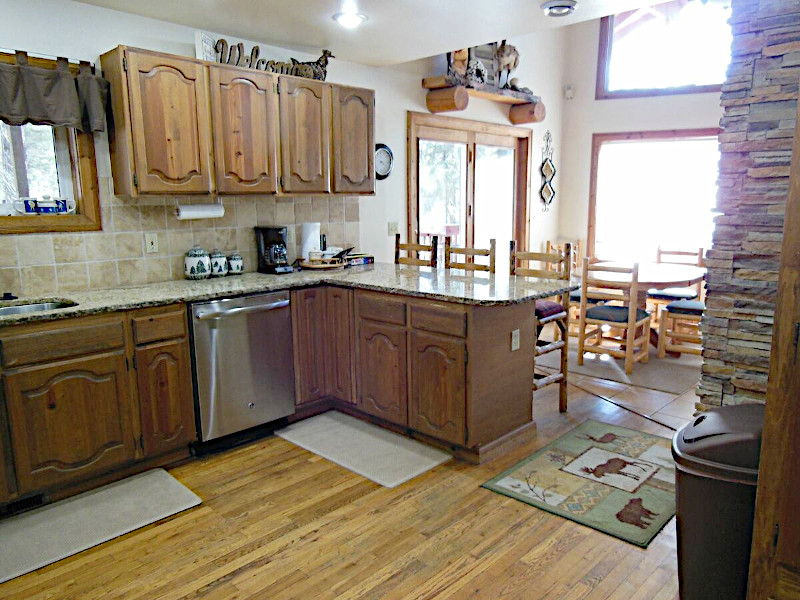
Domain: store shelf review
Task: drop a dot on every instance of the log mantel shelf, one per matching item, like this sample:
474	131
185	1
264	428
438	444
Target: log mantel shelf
446	94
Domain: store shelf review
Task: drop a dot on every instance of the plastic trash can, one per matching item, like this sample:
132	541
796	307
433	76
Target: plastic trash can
716	458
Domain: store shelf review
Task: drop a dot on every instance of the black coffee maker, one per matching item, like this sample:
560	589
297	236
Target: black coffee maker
271	243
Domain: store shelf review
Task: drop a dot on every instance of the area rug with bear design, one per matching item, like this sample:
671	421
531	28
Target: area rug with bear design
617	480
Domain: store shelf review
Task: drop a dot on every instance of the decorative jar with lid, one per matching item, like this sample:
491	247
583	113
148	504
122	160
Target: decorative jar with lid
196	264
219	264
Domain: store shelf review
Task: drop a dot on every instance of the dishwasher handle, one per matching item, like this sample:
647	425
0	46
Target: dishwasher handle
242	310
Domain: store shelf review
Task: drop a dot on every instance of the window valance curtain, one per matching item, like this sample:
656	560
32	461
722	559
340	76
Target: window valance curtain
56	97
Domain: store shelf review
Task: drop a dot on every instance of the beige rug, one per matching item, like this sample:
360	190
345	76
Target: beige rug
379	455
37	538
673	375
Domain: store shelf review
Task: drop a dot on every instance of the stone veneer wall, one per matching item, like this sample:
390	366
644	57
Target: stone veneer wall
760	106
41	264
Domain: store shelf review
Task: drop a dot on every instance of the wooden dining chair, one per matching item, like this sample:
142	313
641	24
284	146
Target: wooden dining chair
577	254
660	298
555	265
612	329
413	251
679	328
467	264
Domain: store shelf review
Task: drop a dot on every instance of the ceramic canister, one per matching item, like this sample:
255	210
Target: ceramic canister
235	264
219	264
196	264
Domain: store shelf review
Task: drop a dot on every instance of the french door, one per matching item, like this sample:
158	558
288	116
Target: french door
468	183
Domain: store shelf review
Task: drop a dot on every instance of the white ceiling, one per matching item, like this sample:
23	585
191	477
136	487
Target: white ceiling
396	30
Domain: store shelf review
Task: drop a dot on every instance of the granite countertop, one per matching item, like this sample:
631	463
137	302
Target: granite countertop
424	282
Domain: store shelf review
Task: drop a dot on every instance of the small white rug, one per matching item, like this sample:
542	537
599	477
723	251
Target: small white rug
382	456
48	534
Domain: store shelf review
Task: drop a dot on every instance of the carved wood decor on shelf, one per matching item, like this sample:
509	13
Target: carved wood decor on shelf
235	55
447	93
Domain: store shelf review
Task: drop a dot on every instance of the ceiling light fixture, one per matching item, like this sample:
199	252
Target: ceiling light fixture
349	20
559	8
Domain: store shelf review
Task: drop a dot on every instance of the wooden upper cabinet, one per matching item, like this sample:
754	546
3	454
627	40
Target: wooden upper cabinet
438	391
70	420
353	140
169	123
244	118
382	385
166	405
305	135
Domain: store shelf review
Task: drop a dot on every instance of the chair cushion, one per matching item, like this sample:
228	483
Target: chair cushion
575	296
546	308
673	294
686	307
615	314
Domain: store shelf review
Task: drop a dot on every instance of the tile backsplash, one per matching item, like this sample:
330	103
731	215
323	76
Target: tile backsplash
40	264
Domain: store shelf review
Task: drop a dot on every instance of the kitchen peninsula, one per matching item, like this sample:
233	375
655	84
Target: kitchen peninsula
442	355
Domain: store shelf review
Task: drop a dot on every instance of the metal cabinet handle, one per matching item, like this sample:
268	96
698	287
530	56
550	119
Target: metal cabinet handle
242	310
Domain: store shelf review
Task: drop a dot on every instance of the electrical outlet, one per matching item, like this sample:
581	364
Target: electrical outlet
151	243
515	340
394	229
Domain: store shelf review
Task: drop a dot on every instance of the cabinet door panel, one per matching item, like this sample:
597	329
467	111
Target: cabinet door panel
69	420
243	111
308	329
353	140
7	486
305	138
382	385
438	389
169	118
166	405
339	357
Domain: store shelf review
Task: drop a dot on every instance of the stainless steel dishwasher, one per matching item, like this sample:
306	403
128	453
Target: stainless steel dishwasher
243	364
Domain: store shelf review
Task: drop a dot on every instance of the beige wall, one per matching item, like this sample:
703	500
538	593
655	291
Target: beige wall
584	116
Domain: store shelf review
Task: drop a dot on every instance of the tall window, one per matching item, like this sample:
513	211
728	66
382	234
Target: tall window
652	189
469	182
680	46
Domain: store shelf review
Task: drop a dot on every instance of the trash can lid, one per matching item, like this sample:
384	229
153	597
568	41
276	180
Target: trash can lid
723	442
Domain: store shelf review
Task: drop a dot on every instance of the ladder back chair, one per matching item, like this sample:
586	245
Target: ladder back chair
660	298
413	251
556	265
679	328
467	264
623	322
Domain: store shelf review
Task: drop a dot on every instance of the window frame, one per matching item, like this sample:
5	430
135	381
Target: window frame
84	180
452	129
603	58
598	139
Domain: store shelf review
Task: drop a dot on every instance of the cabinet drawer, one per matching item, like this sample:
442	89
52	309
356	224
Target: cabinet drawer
378	308
63	339
152	328
439	320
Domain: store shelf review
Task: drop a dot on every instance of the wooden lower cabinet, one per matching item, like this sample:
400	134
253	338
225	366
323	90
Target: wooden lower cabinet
70	420
166	405
308	331
437	398
382	383
339	356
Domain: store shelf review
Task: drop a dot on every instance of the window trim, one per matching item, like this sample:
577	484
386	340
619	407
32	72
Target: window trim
84	181
598	139
604	56
469	131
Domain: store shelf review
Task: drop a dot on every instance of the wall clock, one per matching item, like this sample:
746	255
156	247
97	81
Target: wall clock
384	161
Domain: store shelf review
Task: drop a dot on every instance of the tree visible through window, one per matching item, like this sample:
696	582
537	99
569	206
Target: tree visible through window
680	45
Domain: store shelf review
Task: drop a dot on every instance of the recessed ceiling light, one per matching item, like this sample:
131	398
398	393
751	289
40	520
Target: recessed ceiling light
559	8
349	20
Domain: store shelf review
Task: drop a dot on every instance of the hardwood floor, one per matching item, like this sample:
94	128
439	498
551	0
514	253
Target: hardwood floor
278	522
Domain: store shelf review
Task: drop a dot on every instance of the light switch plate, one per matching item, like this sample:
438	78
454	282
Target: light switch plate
151	243
393	228
515	340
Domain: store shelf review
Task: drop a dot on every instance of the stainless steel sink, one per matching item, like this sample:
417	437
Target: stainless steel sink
34	307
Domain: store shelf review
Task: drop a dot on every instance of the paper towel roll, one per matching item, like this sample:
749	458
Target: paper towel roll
199	211
309	238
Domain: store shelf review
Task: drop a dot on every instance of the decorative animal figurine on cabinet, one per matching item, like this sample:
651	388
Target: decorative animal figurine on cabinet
319	67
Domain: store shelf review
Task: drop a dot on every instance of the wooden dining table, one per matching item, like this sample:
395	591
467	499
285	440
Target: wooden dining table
653	275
